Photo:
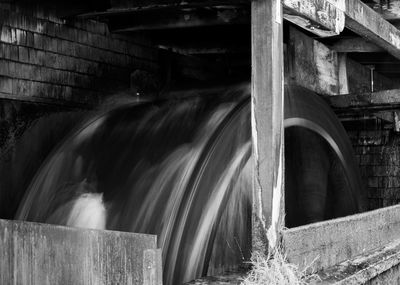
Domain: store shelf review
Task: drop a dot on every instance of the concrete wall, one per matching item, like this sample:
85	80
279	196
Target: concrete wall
79	61
328	243
45	254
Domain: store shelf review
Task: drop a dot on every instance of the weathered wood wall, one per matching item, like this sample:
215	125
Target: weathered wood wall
79	61
42	254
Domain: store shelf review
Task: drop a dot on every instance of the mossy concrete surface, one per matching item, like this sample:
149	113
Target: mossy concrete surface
379	266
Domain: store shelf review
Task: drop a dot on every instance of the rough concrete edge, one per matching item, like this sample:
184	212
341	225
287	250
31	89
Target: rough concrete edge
355	217
232	278
336	251
363	267
76	229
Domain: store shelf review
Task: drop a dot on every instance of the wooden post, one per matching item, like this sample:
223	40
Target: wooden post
267	121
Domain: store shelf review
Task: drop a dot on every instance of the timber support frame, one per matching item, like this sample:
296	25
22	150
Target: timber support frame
267	121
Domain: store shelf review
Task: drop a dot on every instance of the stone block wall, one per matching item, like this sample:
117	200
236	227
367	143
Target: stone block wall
378	155
78	61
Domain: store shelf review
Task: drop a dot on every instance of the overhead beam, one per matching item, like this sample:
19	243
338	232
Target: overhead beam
173	19
354	14
355	45
318	17
267	121
382	100
364	21
131	7
315	66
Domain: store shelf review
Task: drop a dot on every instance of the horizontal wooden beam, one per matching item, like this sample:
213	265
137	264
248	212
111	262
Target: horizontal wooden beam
364	21
313	65
382	100
356	45
207	50
388	9
131	7
178	17
318	17
124	4
333	15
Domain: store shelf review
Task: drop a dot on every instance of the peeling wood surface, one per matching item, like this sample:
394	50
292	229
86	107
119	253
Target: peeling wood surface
267	120
42	254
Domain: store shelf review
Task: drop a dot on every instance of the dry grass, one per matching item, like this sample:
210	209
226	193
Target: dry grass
274	269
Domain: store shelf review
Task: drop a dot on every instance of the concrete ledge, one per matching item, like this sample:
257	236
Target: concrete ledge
230	278
366	267
332	242
34	253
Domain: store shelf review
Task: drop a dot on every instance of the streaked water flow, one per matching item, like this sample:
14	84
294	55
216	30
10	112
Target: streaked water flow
180	170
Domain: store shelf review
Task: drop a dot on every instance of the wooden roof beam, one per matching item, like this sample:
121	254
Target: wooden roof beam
318	17
331	16
382	100
356	45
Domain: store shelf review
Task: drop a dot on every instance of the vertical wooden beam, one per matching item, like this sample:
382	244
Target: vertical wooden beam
267	121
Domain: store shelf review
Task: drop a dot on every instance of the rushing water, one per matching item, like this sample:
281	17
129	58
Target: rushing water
180	170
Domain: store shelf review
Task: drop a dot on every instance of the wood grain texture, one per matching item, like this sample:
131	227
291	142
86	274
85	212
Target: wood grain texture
39	254
331	16
319	17
387	99
267	120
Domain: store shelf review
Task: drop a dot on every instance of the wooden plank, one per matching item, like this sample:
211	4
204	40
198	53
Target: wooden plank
129	7
144	4
367	23
318	17
315	66
173	19
355	45
389	9
267	121
387	99
333	15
